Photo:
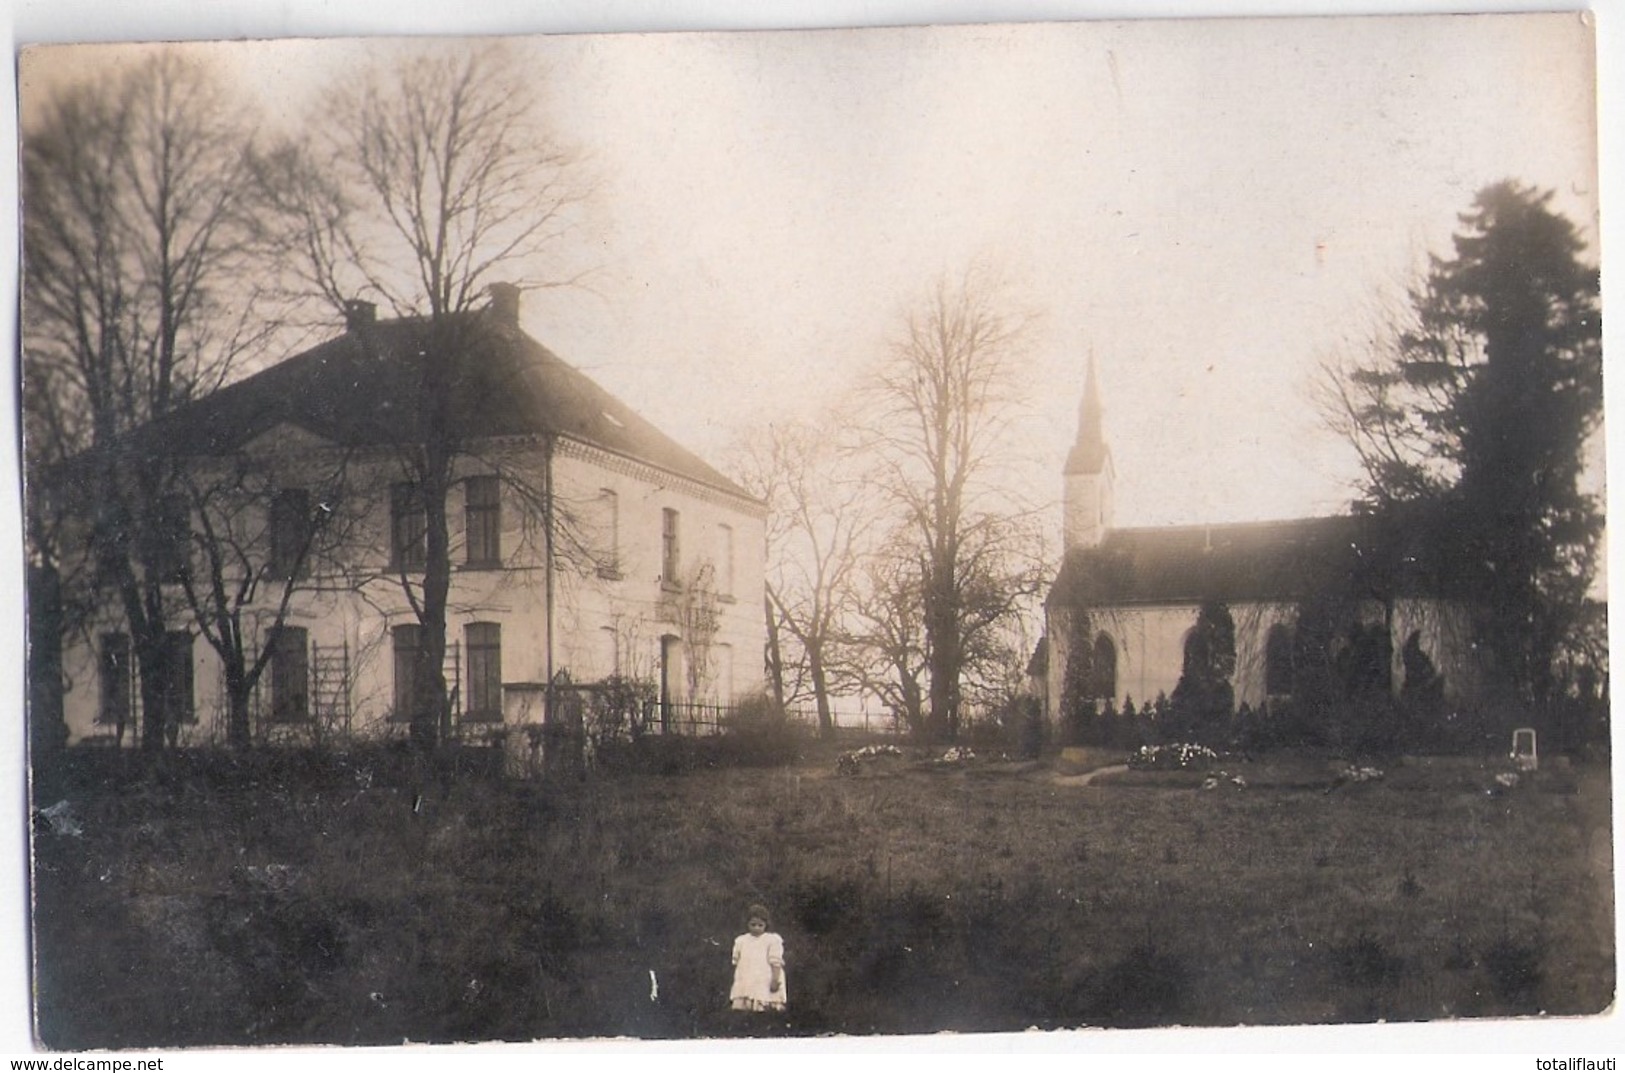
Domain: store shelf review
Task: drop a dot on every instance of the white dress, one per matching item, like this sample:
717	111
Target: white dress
755	957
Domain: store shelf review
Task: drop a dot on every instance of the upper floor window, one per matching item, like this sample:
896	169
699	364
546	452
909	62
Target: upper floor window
170	537
670	548
484	671
483	518
725	560
609	511
290	675
408	528
290	533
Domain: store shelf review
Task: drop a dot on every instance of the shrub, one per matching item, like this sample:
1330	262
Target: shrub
760	733
1204	698
990	733
652	754
617	708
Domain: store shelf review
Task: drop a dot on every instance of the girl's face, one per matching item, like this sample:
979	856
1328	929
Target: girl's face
756	925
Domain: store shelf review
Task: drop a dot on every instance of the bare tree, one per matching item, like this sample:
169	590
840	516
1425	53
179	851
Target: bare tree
817	524
137	298
883	634
942	403
258	537
431	182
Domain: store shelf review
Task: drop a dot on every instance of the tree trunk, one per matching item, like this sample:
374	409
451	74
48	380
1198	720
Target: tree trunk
431	714
155	714
238	730
913	702
48	731
820	684
942	642
775	656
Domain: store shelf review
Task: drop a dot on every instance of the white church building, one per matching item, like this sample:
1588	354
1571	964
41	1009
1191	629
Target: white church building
1133	594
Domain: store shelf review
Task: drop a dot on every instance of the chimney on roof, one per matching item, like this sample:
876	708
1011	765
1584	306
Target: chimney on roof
505	303
359	314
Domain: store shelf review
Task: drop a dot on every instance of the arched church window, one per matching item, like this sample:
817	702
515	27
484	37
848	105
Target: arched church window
1278	661
1105	662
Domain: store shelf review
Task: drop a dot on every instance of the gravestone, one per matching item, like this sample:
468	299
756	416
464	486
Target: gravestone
1525	757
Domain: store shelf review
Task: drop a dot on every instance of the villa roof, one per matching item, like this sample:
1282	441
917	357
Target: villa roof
361	389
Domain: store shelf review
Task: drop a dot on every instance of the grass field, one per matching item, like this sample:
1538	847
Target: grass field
351	902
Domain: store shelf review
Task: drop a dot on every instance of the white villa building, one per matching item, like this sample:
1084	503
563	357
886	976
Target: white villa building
584	544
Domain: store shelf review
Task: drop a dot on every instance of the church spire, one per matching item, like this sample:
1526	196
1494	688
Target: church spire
1089	450
1087	482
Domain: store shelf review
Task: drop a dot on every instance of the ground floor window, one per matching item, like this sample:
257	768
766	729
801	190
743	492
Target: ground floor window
484	640
175	688
115	680
290	675
406	640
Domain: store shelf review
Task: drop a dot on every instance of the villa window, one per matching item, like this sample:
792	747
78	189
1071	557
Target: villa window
290	533
408	528
406	639
115	680
484	642
290	675
670	548
483	520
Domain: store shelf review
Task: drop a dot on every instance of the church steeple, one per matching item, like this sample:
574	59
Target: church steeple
1087	491
1089	454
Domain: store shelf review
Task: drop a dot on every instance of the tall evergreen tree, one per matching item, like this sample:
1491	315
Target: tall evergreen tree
1204	696
1078	683
1481	410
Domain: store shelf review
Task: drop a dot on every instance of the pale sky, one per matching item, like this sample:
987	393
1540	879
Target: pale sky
1210	207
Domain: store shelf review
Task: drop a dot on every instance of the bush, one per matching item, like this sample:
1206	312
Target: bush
617	709
989	734
652	754
759	733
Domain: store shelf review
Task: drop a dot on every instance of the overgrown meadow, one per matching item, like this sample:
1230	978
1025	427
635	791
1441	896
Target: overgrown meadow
365	900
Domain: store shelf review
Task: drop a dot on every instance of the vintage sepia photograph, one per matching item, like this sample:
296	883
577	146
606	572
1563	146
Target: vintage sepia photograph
849	532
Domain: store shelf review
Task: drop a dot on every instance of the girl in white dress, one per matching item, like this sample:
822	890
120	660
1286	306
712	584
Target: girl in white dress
759	982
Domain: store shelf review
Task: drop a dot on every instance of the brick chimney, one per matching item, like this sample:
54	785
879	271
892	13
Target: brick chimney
505	303
358	314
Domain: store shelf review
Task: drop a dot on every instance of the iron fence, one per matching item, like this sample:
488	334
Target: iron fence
696	718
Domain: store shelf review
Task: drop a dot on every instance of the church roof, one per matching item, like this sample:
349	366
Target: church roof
1274	561
360	389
